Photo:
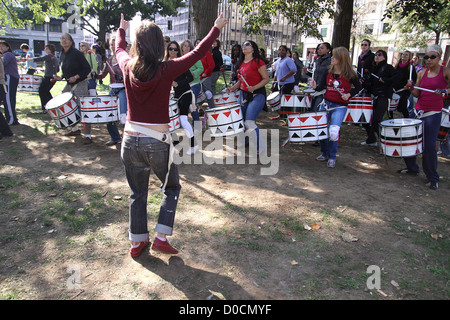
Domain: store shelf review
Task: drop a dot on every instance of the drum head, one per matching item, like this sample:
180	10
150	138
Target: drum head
273	95
401	122
59	100
309	91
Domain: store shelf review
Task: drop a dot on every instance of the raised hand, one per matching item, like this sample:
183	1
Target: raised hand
220	21
123	23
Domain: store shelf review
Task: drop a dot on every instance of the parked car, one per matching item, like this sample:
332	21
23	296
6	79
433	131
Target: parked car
226	62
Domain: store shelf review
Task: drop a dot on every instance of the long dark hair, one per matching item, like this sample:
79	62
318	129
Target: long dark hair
166	58
147	51
256	54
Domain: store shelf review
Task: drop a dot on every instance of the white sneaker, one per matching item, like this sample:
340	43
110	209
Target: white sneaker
331	163
321	158
192	150
373	144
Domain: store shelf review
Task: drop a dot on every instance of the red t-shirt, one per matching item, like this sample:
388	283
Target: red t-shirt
249	71
342	85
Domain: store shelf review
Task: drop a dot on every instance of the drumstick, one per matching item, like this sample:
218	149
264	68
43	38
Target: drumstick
425	89
314	66
243	78
223	74
410	69
362	68
367	70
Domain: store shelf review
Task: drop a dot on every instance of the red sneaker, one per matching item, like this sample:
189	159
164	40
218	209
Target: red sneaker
136	252
163	246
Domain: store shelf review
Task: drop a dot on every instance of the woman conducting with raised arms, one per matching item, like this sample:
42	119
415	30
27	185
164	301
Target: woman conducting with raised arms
146	144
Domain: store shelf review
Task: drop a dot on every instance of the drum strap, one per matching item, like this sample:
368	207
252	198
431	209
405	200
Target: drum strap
165	137
191	107
420	114
319	93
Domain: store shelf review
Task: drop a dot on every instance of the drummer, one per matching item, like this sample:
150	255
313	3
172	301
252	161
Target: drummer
253	76
183	93
342	84
380	84
429	109
75	70
51	68
284	80
319	81
116	81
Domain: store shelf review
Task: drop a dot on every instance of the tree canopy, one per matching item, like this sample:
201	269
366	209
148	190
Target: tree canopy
421	15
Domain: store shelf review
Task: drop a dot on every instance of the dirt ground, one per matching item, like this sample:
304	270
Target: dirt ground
307	232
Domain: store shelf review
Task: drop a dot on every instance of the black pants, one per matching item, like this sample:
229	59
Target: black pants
44	91
4	126
380	106
402	104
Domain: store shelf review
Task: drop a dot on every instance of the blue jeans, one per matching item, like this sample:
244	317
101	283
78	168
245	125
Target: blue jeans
431	126
196	89
251	110
335	117
140	155
122	95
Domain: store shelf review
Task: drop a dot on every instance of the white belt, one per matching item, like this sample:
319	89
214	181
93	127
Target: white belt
165	137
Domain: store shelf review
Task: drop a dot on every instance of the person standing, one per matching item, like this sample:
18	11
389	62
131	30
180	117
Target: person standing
115	81
147	143
51	68
253	76
12	82
319	82
205	77
93	63
380	85
5	130
218	63
429	109
75	70
182	93
196	70
407	70
366	58
284	74
28	54
342	84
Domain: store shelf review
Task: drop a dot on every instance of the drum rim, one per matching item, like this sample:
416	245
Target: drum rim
223	108
64	93
386	123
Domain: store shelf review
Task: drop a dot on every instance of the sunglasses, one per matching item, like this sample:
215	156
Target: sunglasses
379	54
430	57
247	44
364	44
172	49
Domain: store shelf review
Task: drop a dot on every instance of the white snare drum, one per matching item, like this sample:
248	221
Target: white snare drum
28	82
294	103
359	110
311	126
174	115
225	121
401	137
64	110
98	109
225	99
394	102
445	125
273	100
308	92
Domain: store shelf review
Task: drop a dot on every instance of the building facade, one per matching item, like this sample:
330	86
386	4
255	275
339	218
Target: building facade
38	35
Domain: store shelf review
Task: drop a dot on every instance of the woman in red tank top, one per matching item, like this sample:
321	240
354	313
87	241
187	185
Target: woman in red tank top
429	109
